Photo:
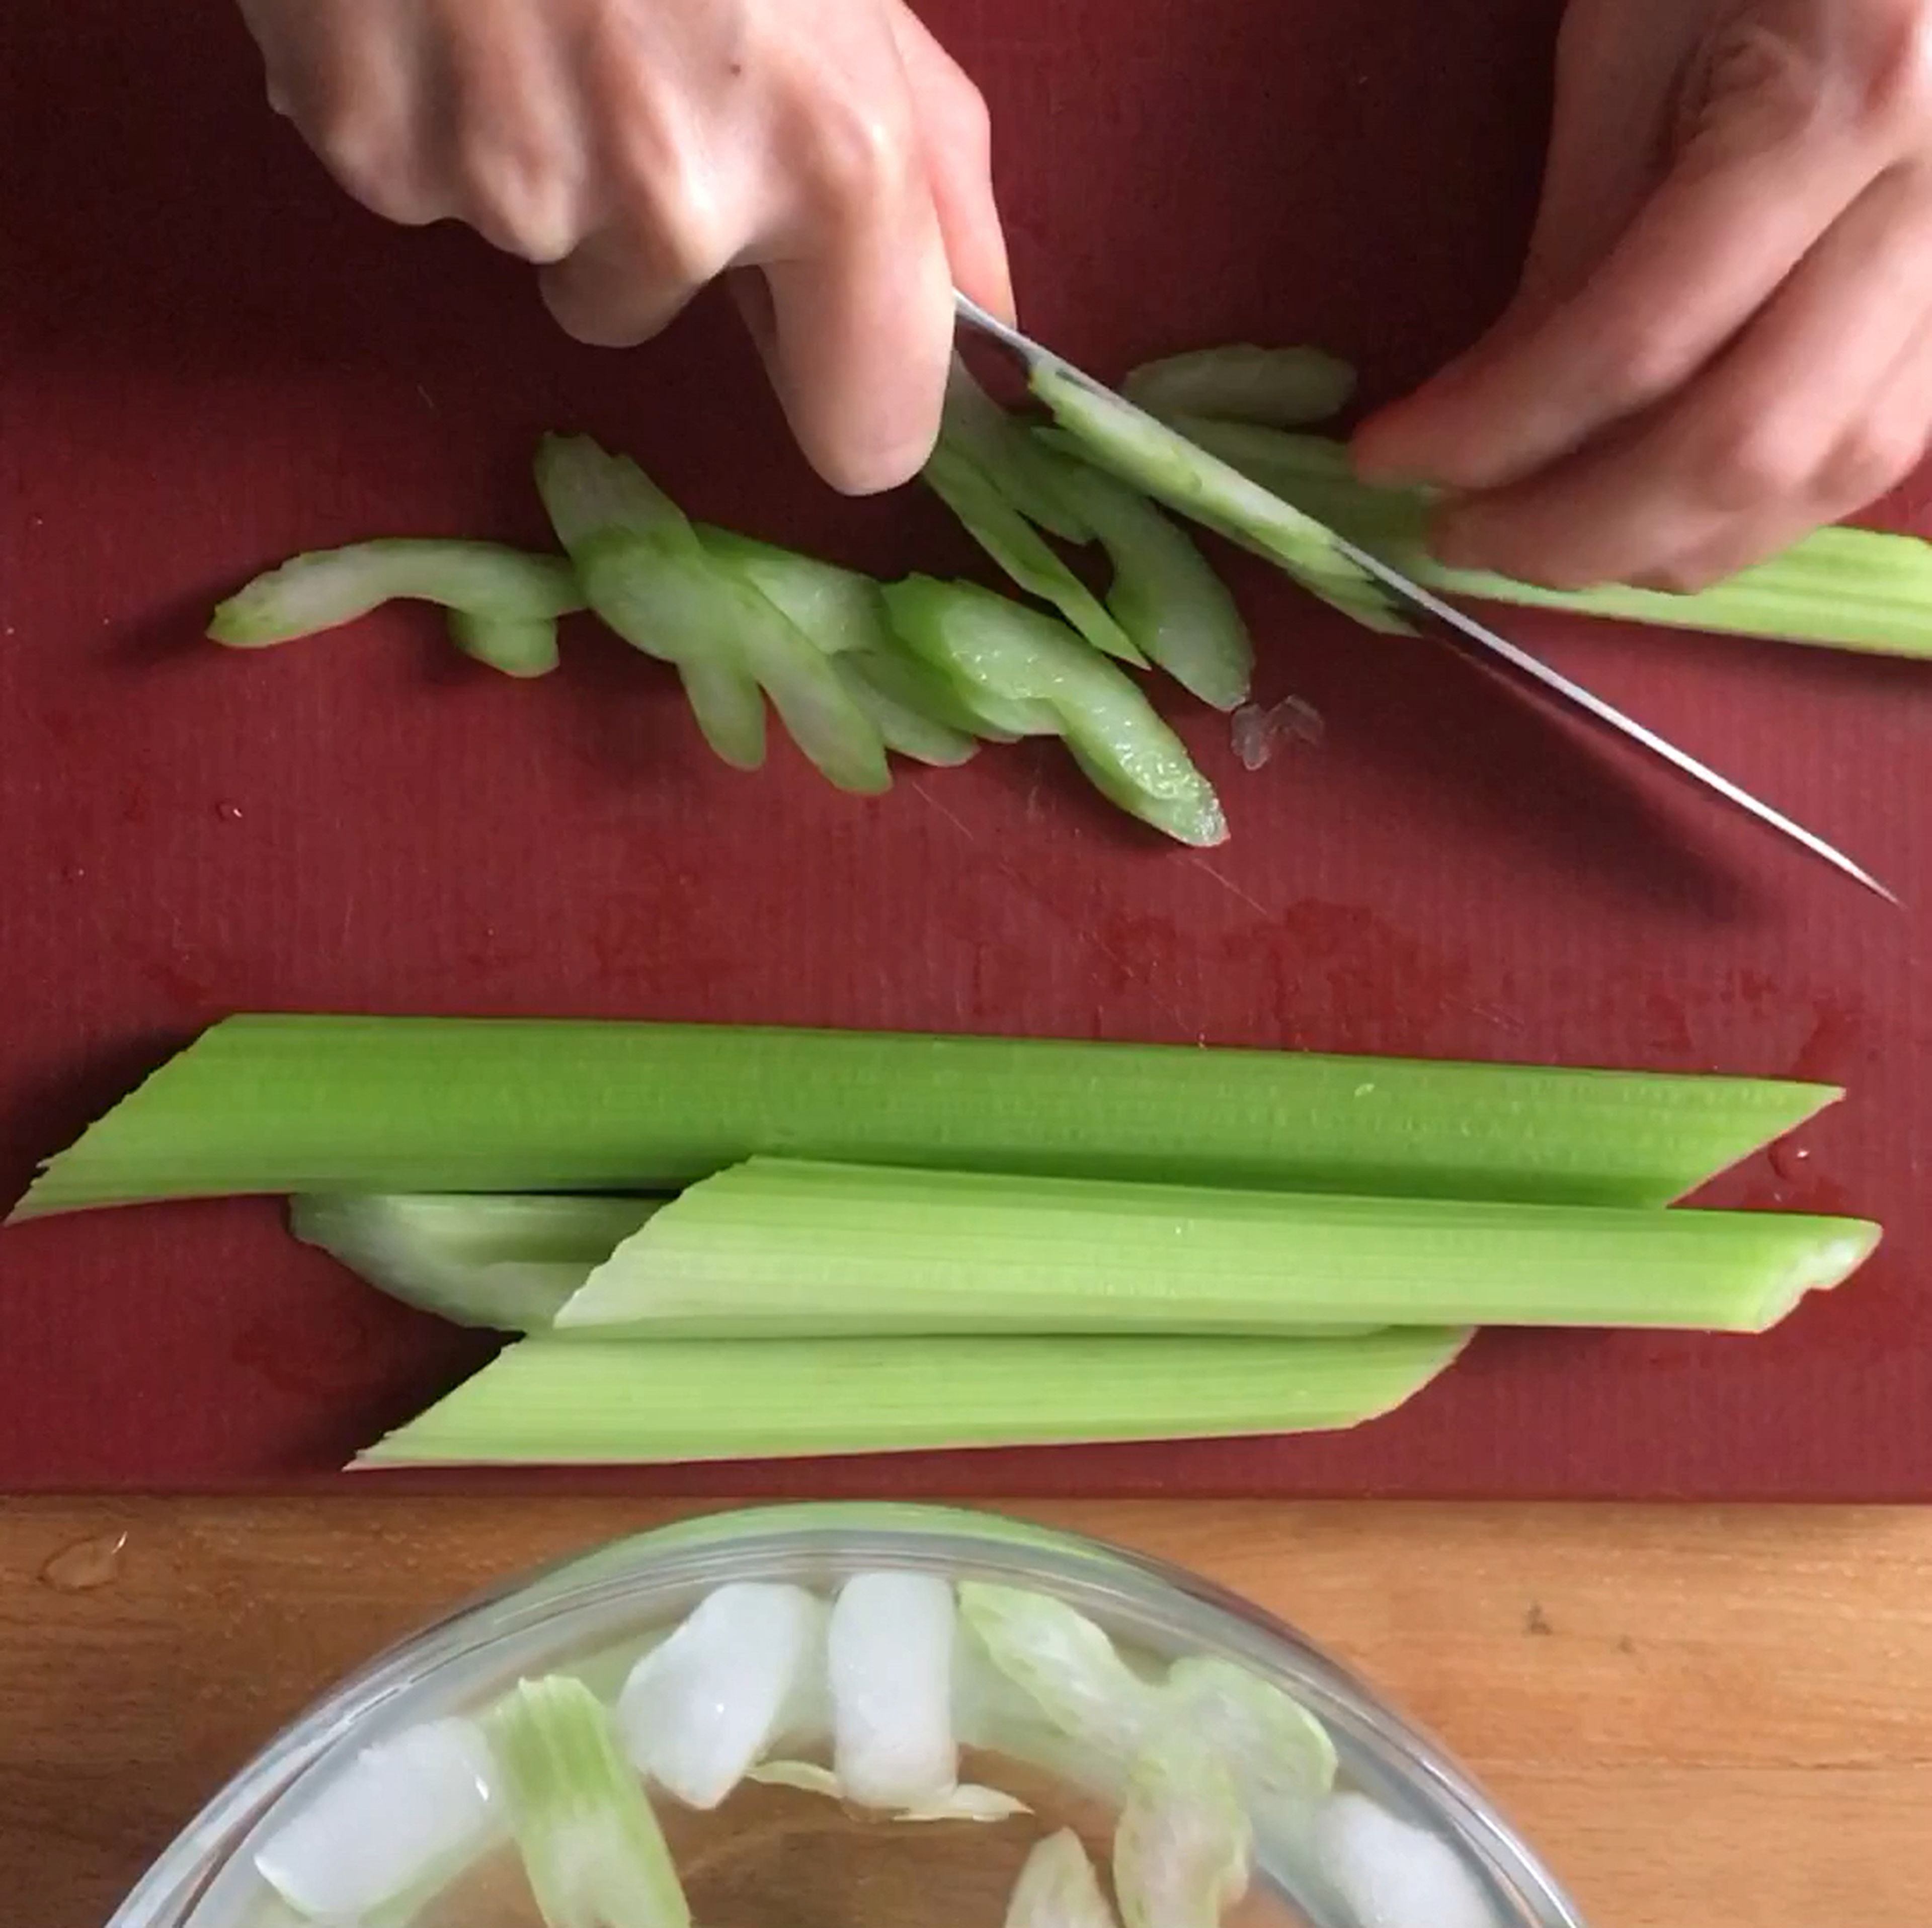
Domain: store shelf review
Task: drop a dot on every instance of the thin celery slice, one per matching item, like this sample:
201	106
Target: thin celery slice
592	1848
844	614
728	707
987	643
1065	1664
1275	1748
965	1801
586	492
1282	386
1164	594
552	1402
1022	552
1183	1847
333	587
686	606
504	1262
979	1253
979	428
291	1104
1058	1888
925	1250
1841	588
1147	453
521	647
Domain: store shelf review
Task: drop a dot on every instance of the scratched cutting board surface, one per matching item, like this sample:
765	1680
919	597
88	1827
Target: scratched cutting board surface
209	358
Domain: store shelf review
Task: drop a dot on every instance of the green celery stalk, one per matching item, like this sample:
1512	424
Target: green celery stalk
295	1104
895	1250
502	1261
1022	552
545	1402
1842	589
998	444
592	1848
993	647
1120	437
1164	594
517	646
329	587
685	607
1282	386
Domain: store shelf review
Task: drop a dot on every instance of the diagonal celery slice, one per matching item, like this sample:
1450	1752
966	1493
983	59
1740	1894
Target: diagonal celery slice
548	1402
330	587
999	446
1842	589
290	1104
1148	453
979	1252
1164	594
1183	1846
1022	552
1282	386
1058	1888
501	1261
591	1846
518	646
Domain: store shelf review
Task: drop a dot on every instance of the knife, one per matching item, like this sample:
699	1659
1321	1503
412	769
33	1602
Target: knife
1496	648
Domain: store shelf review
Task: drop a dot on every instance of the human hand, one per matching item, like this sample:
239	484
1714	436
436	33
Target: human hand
1723	337
638	149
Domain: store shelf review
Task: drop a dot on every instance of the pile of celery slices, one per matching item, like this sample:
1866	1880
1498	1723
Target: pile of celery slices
722	1243
857	671
880	1699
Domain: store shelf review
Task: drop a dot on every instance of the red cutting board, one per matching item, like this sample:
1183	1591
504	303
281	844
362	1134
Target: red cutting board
210	358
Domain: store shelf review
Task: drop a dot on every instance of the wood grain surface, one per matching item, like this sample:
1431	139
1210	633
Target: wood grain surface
1722	1718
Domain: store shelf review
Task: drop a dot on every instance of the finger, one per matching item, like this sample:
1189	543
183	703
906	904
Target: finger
1878	450
955	139
861	309
1705	254
1764	431
618	288
514	130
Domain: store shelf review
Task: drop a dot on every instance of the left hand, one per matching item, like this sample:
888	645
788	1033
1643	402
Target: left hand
1724	337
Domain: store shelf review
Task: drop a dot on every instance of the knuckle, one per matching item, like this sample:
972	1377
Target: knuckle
859	154
1751	459
673	202
1893	76
1649	359
376	161
1871	461
526	198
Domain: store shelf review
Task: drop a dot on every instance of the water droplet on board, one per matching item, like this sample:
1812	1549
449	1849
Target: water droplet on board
85	1566
1791	1161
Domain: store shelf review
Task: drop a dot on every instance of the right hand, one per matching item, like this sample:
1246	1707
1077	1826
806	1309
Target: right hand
638	149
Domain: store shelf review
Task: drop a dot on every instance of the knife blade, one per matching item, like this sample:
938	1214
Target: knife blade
1495	647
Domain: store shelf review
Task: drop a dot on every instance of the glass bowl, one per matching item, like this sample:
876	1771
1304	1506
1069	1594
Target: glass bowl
591	1614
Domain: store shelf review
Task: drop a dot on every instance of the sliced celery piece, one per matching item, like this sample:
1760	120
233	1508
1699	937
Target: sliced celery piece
1058	1888
1147	453
332	586
1066	1664
592	1848
987	643
521	647
504	1262
685	607
549	1401
1283	387
586	491
1275	1748
980	1252
1183	1847
1023	552
1164	594
728	707
979	428
842	613
1841	588
289	1104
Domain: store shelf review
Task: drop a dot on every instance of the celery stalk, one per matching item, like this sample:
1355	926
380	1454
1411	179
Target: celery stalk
1120	437
900	1250
592	1847
330	587
502	1261
543	1401
1164	593
1842	589
684	605
980	429
518	646
1022	552
294	1104
988	644
1282	386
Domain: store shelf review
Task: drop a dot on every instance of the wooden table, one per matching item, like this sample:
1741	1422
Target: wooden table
1705	1719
